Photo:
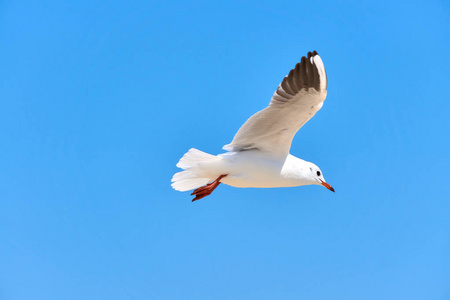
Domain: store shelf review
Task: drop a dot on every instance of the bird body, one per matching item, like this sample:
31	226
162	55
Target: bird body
254	168
259	155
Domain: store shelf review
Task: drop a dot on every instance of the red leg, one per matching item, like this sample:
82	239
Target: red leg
207	189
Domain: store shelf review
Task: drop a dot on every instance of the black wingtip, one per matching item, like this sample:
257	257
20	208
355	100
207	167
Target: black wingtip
312	54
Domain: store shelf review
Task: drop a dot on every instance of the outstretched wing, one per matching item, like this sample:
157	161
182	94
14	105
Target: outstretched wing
299	96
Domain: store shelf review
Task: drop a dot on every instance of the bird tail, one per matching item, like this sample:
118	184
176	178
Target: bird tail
193	175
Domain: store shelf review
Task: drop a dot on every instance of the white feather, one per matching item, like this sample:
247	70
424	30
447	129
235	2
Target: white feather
195	174
273	128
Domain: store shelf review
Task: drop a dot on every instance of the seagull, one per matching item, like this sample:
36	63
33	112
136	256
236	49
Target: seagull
258	155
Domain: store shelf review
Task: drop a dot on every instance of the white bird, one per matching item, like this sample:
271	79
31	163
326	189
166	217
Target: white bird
259	155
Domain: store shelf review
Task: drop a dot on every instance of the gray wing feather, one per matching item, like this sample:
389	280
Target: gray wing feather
299	96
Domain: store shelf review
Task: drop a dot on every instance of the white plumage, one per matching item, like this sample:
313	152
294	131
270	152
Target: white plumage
259	155
273	128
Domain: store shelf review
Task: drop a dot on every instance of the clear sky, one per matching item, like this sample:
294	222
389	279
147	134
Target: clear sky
100	99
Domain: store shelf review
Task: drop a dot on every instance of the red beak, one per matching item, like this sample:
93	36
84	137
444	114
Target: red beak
327	185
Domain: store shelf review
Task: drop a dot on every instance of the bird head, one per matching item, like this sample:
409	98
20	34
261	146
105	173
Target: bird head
316	177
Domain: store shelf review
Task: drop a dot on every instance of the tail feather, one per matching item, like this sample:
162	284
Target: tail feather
193	157
189	184
192	177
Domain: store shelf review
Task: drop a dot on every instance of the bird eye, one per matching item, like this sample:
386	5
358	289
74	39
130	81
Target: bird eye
318	173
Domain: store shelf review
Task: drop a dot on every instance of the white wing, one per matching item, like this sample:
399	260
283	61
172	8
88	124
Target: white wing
299	96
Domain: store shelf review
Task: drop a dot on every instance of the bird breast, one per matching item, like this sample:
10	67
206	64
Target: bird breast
253	168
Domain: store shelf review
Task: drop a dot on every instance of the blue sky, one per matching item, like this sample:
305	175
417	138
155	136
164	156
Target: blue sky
100	100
